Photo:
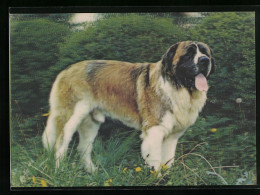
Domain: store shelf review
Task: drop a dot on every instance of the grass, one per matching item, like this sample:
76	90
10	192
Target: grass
203	157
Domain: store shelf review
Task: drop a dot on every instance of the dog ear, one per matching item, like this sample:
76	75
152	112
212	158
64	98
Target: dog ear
167	59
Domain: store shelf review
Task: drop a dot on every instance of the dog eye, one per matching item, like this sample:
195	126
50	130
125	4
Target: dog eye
191	50
204	51
186	57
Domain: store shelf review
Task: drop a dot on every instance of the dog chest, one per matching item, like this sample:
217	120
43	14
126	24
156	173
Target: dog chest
185	106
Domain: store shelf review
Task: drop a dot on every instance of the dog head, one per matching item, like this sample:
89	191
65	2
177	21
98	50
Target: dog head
188	64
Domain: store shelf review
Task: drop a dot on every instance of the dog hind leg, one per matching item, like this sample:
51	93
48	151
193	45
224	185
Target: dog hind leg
87	133
81	110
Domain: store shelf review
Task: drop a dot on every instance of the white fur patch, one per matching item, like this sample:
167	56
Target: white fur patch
169	147
168	121
53	95
81	110
87	132
198	55
152	146
185	109
50	133
98	116
166	87
210	65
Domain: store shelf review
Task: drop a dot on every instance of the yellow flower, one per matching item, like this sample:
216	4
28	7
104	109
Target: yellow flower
213	130
33	179
46	114
153	172
138	169
44	183
164	167
107	184
124	170
109	181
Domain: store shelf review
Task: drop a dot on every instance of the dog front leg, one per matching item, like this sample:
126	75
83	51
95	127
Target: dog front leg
152	146
168	148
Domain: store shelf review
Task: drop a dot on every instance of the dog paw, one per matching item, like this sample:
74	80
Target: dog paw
59	157
90	167
150	157
153	163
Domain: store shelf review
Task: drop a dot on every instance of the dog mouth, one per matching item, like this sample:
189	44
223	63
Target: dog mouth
193	76
197	79
201	82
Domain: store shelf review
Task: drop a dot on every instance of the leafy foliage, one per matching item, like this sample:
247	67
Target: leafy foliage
128	37
59	18
232	38
34	49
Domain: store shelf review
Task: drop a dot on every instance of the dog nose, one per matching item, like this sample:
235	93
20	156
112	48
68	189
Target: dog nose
203	60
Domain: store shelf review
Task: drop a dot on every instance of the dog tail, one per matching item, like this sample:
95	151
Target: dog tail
50	133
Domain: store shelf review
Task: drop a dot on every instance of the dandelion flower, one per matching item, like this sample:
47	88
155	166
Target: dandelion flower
164	167
33	179
124	170
239	100
151	171
109	181
44	183
138	169
213	130
46	114
107	184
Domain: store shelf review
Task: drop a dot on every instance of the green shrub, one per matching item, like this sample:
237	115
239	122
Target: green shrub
128	37
34	49
232	38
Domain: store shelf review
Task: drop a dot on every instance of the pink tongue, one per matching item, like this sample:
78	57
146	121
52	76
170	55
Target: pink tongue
201	82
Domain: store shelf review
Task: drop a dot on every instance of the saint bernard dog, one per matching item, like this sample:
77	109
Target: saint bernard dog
162	99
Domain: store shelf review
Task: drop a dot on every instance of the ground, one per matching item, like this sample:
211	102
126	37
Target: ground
207	154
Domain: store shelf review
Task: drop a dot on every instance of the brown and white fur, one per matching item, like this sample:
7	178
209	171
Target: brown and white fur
160	99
